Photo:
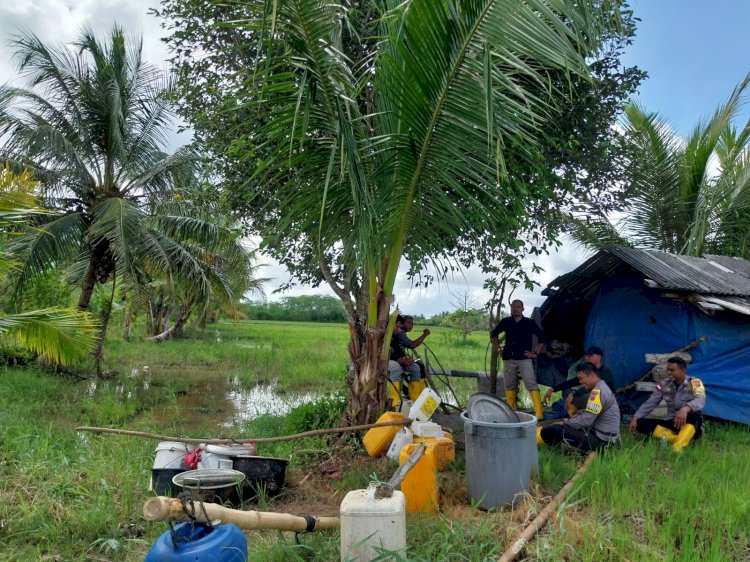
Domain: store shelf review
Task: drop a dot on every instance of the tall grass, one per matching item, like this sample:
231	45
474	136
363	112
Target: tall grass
65	496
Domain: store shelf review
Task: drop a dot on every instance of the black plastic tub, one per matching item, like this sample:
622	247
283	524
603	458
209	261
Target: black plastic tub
161	481
263	475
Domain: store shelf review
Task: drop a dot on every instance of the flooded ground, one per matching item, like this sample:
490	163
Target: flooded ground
209	400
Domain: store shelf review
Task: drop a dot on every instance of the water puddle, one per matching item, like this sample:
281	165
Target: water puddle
224	402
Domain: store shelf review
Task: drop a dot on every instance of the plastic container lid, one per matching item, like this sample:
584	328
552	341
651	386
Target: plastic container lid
208	478
488	408
230	450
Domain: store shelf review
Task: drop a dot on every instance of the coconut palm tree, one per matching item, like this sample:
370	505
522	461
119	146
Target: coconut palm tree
687	196
91	128
380	130
62	335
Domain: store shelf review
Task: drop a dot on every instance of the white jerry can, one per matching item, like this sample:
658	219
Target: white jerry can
403	438
425	405
369	525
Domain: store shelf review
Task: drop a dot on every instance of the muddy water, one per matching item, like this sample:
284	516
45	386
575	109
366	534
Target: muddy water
223	402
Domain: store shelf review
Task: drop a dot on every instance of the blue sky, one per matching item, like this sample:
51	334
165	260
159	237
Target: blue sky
695	52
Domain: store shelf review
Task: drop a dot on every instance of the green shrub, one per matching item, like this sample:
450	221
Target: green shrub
324	412
12	355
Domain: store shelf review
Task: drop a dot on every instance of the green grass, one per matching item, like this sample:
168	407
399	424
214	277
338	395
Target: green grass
65	496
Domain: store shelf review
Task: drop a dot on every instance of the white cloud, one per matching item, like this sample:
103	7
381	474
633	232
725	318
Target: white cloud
59	21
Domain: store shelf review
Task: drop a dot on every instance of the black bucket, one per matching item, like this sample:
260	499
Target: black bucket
161	481
263	475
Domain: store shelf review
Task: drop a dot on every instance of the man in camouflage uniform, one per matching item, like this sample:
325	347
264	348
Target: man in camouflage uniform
593	427
685	397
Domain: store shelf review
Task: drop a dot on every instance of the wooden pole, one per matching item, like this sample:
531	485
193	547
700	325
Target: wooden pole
533	528
147	435
170	509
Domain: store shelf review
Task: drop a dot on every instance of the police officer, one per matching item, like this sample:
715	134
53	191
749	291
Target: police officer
685	397
595	426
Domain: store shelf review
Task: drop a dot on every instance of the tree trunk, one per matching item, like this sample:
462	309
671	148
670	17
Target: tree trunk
368	373
104	321
127	324
202	320
87	287
176	330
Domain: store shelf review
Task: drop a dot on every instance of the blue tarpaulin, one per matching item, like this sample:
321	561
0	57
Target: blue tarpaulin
629	320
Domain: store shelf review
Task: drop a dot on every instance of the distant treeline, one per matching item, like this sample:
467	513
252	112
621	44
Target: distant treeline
306	308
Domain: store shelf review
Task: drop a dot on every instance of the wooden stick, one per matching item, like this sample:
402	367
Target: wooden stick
241	439
533	528
170	509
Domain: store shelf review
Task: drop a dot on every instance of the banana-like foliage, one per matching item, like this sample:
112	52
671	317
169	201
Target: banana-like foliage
62	335
687	195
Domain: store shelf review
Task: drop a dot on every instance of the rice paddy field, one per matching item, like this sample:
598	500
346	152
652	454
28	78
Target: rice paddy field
66	495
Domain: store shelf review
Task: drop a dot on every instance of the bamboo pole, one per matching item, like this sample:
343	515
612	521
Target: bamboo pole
303	435
170	509
529	532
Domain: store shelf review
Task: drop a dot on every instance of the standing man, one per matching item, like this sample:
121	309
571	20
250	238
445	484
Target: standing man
685	397
518	355
591	428
577	399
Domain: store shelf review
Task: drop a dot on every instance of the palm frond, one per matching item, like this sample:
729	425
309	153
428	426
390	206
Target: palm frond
63	335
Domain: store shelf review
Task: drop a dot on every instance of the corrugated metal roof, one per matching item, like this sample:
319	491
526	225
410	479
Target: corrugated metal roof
712	275
683	273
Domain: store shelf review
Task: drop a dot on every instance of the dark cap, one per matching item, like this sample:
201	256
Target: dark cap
594	350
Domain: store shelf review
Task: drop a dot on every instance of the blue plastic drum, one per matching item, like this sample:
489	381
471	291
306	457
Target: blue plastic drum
195	542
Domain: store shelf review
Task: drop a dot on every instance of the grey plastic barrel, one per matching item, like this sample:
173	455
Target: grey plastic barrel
500	458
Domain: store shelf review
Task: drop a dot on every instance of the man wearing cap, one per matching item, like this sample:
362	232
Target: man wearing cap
577	399
685	397
593	427
517	354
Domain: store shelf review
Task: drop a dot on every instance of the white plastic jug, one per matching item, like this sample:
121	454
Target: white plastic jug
403	437
424	406
368	524
426	429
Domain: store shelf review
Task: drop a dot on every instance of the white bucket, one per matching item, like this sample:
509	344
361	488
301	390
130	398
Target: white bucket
169	454
369	524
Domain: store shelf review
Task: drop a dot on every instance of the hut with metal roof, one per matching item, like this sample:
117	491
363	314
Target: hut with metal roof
632	302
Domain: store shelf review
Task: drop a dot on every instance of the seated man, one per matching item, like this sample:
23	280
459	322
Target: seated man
577	399
685	397
594	427
400	365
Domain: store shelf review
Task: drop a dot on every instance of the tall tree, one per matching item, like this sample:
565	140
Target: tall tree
687	195
361	133
91	128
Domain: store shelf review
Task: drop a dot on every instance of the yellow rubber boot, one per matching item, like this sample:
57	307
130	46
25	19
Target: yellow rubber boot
415	389
539	440
536	399
660	430
684	437
510	398
395	392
